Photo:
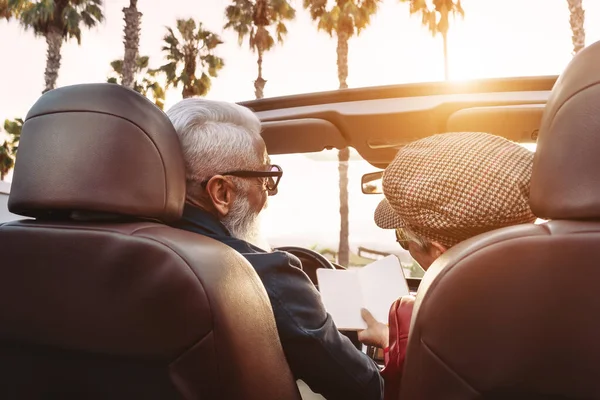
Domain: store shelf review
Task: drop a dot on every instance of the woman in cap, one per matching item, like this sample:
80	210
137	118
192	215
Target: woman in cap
439	191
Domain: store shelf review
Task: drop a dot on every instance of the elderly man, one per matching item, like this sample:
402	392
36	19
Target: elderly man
440	191
229	176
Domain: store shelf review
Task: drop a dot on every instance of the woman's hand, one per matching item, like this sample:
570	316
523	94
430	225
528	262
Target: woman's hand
376	334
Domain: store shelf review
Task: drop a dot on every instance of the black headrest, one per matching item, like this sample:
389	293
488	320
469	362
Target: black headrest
98	148
565	181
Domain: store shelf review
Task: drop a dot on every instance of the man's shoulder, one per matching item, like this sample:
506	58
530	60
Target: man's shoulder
276	260
294	297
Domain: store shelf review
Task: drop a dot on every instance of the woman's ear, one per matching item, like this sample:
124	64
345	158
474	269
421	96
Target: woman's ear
220	193
437	249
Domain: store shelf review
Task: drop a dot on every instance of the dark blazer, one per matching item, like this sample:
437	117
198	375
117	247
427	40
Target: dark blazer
315	350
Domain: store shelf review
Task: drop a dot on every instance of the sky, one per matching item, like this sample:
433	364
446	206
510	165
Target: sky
495	39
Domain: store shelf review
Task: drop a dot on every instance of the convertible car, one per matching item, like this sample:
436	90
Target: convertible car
101	299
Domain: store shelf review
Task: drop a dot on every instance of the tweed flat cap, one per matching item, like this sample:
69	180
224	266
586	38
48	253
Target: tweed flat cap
449	187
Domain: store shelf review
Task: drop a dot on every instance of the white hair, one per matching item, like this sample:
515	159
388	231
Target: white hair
413	237
216	137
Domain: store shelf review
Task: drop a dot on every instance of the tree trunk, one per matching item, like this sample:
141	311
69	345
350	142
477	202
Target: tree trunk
344	248
259	83
343	158
260	19
446	68
577	20
132	19
190	58
54	41
187	91
342	59
443	27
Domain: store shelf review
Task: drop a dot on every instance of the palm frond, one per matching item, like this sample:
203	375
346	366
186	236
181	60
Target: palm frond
328	21
66	17
117	66
281	31
14	128
94	11
141	69
13	8
6	159
138	87
316	8
37	16
144	78
142	62
282	10
202	85
457	9
210	40
156	91
239	18
170	71
188	48
244	18
172	46
212	63
187	28
431	16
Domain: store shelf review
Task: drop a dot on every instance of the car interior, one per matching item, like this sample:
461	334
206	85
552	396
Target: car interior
100	174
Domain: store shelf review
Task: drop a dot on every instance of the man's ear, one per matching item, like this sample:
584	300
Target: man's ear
437	249
220	192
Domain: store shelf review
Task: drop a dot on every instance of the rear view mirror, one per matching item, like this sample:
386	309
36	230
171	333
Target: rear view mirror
371	183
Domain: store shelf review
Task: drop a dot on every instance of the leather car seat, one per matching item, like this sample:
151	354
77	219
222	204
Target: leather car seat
99	299
514	313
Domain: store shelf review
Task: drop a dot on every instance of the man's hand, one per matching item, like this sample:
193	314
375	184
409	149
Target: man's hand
376	334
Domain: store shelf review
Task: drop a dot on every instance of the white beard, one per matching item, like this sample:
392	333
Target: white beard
244	223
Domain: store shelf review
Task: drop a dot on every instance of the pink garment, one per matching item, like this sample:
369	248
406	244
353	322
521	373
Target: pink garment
399	323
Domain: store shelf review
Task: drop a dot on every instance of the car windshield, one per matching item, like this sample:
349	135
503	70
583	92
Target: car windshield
306	210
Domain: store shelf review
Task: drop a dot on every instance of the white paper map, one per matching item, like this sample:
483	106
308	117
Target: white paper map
374	287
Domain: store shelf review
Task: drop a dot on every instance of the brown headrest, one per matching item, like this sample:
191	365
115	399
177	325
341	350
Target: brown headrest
565	181
98	148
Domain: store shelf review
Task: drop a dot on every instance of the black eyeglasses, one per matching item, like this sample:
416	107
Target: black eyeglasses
273	176
402	239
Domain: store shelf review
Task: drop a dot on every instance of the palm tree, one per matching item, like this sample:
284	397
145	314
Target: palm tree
253	19
144	79
438	20
345	19
184	51
131	42
577	20
13	128
6	160
56	21
7	12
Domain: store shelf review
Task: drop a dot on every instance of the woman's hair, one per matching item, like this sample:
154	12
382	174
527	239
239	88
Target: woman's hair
420	241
